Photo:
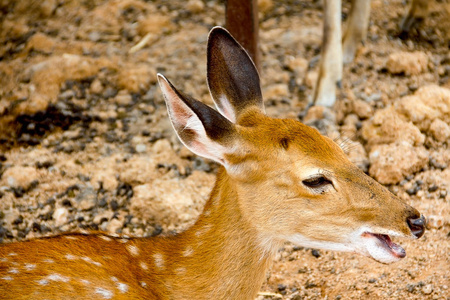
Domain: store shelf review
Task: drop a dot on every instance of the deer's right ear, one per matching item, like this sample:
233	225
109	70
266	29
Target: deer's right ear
200	128
232	76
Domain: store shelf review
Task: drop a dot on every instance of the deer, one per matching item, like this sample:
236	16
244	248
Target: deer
340	48
279	181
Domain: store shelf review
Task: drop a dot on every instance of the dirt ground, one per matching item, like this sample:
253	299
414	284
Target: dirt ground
86	142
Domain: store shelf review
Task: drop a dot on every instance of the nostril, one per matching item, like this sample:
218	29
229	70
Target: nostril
417	226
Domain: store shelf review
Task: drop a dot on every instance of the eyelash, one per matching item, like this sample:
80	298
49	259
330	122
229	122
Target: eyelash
317	182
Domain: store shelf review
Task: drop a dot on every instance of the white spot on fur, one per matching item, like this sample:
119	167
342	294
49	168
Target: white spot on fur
159	260
123	241
85	282
123	288
12	254
143	284
70	257
13	271
30	267
71	238
57	277
53	277
7	278
207	213
48	260
84	232
106	294
203	230
143	266
188	251
180	270
134	251
89	260
3	259
105	238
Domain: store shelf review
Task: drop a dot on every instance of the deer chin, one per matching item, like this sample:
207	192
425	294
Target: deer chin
381	248
362	241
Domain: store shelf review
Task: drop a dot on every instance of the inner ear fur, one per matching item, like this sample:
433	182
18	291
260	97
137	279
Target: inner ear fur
233	79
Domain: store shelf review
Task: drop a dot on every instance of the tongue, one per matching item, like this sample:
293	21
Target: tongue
394	248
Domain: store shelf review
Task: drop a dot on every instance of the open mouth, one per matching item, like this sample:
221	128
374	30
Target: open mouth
381	248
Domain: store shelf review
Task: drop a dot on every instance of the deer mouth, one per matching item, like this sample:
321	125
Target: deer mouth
381	248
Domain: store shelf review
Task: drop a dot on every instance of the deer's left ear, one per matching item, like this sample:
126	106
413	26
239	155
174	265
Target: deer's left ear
232	76
200	128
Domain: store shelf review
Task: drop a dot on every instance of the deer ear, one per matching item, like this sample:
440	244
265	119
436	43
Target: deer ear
232	76
200	128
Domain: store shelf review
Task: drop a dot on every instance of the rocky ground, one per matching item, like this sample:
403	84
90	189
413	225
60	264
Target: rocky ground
86	142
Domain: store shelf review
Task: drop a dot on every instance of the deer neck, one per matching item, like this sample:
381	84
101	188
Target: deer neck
221	256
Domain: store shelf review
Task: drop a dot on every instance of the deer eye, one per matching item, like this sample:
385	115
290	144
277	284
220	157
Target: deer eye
316	182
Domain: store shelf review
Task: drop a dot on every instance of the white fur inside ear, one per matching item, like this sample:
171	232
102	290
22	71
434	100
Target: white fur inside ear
195	124
225	108
202	144
183	119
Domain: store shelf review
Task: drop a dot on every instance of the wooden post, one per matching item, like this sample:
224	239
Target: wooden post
241	20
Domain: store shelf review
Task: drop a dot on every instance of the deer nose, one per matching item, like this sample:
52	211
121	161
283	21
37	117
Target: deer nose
417	225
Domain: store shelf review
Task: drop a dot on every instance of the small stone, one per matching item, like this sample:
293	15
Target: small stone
436	222
94	36
195	6
102	217
109	92
86	204
427	289
141	148
298	65
66	202
114	225
411	191
20	176
408	63
391	163
276	91
86	199
102	203
18	220
41	43
311	78
60	216
281	287
433	188
315	253
362	109
114	205
440	130
123	98
410	287
96	86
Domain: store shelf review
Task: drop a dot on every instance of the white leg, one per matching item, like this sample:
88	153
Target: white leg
330	68
356	30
